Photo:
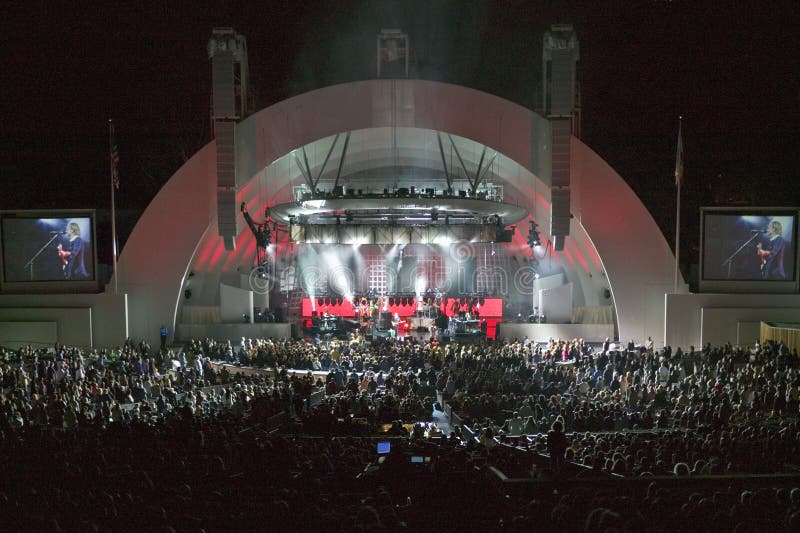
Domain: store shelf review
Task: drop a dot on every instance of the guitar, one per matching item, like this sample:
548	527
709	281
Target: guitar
64	256
762	254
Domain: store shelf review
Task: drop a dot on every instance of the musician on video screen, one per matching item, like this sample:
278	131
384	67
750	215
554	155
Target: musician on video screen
72	254
771	255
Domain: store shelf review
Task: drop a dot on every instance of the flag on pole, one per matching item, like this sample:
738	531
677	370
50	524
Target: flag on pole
114	158
679	158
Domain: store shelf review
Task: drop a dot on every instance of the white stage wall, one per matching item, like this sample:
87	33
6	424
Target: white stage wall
234	332
544	332
87	320
234	302
696	319
556	304
37	334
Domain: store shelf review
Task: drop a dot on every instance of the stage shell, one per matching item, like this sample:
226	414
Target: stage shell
614	243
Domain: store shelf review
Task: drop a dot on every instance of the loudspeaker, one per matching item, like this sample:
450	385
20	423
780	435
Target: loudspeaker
504	235
560	152
226	158
559	217
562	84
226	216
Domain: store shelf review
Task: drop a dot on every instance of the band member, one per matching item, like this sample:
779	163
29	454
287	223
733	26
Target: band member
772	255
71	254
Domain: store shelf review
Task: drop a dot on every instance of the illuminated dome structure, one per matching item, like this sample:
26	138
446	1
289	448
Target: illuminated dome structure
368	165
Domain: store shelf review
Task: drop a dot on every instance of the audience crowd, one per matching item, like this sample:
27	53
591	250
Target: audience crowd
279	432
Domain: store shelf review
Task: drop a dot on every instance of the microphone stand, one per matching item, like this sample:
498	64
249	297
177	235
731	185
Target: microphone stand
729	261
29	264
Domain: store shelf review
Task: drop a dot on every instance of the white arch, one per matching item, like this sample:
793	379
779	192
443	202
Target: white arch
178	227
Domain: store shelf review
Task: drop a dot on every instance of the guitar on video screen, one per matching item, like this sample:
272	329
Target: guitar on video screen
64	256
762	255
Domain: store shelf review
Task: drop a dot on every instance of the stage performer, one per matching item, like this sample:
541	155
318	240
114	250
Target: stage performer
772	256
71	255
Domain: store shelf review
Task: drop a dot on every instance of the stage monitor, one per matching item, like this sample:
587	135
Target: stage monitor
749	250
384	447
48	251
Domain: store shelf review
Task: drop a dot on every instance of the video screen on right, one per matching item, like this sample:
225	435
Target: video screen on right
751	245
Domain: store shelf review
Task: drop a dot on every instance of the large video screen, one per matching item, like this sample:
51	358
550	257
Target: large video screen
47	248
749	246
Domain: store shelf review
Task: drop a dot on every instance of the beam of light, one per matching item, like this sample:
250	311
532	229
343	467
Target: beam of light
306	263
335	264
420	286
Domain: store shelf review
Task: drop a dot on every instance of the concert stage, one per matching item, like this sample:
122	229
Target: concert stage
544	332
413	314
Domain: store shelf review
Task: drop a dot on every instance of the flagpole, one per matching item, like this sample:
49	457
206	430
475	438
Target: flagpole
113	203
678	183
677	236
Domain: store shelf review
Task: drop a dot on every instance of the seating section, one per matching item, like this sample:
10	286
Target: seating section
279	433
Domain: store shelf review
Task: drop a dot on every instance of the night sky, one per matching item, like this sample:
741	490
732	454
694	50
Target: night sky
732	72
